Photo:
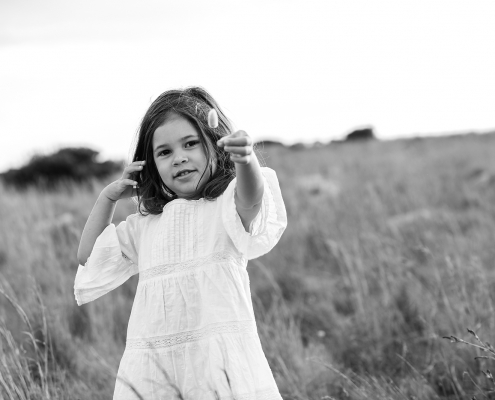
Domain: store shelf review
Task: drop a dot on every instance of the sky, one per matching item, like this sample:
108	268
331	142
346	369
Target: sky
83	73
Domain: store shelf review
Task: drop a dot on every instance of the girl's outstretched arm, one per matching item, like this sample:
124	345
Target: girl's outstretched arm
102	213
249	190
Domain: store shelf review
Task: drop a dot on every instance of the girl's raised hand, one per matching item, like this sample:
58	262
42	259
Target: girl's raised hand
125	186
239	145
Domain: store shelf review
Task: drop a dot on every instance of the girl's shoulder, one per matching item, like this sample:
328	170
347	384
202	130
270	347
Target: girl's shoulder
138	220
137	217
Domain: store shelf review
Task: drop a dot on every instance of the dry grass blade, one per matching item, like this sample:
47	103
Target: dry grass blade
332	368
18	308
15	360
483	346
45	334
7	387
40	359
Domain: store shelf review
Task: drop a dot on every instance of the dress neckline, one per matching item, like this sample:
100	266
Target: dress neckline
184	201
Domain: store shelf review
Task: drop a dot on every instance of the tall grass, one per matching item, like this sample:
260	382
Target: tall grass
389	248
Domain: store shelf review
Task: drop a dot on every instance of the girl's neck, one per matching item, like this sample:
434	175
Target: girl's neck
192	198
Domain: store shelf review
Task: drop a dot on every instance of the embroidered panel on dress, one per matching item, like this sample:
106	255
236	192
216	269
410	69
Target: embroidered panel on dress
167	269
192	336
176	239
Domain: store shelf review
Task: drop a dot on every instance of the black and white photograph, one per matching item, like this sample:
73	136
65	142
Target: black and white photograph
247	200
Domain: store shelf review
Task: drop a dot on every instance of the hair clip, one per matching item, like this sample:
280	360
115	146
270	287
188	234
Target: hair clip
213	118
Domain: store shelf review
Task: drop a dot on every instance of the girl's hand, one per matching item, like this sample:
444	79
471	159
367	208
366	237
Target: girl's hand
239	145
125	186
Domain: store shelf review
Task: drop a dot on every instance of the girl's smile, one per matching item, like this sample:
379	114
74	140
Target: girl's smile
184	174
180	157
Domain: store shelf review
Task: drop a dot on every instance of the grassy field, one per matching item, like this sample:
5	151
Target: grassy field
390	247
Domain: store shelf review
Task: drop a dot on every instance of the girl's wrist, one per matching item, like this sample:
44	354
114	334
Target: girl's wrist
105	197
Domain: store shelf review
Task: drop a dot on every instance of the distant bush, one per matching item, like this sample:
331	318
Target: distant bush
361	134
68	164
298	146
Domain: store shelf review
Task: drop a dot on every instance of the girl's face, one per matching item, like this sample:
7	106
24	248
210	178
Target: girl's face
180	158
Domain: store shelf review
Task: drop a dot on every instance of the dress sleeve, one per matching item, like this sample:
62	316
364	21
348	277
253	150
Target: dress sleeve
112	261
266	228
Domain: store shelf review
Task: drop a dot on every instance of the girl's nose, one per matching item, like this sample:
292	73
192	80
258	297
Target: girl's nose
180	160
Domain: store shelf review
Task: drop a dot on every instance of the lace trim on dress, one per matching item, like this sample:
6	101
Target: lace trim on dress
192	336
166	269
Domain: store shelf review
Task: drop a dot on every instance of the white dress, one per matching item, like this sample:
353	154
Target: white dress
192	321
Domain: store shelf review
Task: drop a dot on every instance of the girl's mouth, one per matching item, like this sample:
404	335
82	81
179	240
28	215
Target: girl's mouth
184	174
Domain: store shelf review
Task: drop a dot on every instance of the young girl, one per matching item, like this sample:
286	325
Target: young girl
205	207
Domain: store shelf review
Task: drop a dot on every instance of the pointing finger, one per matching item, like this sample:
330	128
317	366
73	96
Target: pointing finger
238	141
237	134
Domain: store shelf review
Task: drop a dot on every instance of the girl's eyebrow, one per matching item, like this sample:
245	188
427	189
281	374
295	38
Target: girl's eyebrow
181	139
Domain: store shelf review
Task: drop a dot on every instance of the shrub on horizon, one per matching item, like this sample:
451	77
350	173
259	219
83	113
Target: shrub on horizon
67	164
361	134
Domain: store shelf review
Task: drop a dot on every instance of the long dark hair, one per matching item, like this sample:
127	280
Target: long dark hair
193	104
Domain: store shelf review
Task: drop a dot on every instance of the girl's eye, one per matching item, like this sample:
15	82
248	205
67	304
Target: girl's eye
164	153
192	143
